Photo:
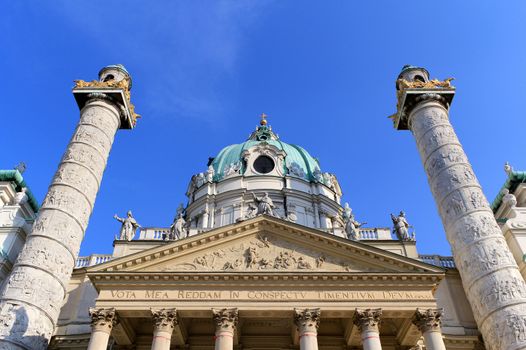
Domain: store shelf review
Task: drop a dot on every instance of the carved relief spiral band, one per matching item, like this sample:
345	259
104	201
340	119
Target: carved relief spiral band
489	273
45	263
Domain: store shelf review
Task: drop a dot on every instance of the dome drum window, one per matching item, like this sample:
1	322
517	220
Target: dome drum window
264	164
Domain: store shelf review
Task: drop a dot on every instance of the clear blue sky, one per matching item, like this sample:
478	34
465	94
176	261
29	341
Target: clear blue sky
203	71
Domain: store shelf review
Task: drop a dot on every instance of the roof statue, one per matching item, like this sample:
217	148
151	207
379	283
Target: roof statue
401	227
508	168
129	226
21	167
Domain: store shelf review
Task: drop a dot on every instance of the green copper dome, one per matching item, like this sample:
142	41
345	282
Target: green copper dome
298	162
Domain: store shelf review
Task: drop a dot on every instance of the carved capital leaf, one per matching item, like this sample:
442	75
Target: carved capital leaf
367	319
164	319
103	319
225	319
427	320
307	320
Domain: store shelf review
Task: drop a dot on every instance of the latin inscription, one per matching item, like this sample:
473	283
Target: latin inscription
263	295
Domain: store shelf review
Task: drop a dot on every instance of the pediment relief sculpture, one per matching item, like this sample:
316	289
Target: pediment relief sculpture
263	252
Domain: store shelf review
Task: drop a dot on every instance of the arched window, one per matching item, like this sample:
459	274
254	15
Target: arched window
419	78
109	77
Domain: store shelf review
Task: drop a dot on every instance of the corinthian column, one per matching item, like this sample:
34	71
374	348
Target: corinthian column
307	321
33	293
164	322
491	279
428	322
226	322
367	321
102	322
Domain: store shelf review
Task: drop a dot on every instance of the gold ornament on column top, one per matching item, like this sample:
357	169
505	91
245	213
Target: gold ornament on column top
429	319
121	84
367	319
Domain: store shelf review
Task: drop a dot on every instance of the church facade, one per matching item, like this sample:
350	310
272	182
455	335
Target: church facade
264	255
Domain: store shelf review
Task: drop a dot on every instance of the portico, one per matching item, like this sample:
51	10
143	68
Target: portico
265	283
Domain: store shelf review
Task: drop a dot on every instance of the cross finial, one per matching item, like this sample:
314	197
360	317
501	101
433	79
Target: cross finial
263	119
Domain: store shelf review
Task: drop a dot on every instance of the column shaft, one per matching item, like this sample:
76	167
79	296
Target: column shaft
99	340
226	322
307	321
493	284
490	276
428	322
32	295
164	322
102	322
434	340
367	322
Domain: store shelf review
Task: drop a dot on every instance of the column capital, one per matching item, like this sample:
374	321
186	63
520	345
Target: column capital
307	320
413	86
114	85
103	319
367	319
428	320
164	319
225	320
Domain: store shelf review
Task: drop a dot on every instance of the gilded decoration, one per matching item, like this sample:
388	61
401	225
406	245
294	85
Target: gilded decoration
404	85
121	84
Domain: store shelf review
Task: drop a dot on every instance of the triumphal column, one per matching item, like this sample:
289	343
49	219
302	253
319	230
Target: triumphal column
491	279
32	295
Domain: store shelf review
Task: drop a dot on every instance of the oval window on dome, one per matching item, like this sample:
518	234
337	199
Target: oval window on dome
264	164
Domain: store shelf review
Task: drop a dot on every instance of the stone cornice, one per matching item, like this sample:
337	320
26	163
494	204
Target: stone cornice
299	278
290	231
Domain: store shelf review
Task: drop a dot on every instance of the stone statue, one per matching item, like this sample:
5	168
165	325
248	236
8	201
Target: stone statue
264	204
20	197
401	227
210	173
508	168
178	227
21	167
352	226
508	198
129	226
347	211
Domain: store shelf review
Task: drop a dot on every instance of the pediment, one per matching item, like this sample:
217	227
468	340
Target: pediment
264	245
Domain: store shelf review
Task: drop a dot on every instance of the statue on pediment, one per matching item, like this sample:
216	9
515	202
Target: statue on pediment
178	227
401	227
351	224
129	226
352	228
